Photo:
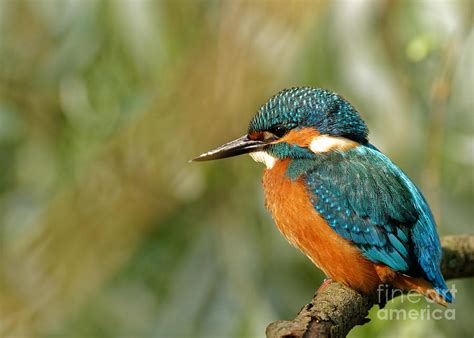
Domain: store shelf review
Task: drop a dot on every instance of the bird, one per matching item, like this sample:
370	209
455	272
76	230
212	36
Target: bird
337	198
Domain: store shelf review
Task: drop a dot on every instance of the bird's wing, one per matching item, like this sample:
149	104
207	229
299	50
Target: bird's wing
368	200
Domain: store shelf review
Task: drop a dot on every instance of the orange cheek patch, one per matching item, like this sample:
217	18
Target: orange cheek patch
256	135
300	137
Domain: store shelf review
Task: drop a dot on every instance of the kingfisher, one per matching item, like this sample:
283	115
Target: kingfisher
336	197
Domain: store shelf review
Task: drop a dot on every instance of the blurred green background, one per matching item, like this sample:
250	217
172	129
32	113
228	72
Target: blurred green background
107	231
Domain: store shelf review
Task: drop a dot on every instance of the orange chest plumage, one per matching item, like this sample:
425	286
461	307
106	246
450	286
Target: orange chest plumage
290	205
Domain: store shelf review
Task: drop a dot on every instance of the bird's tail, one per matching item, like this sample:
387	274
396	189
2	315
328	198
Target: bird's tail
441	296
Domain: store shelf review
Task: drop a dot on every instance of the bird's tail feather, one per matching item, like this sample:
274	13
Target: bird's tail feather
407	283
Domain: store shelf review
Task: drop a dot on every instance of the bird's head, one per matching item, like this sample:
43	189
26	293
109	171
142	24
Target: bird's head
297	123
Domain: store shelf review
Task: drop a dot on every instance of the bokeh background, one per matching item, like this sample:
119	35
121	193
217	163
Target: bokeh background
107	231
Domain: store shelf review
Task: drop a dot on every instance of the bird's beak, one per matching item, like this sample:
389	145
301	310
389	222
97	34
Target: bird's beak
242	145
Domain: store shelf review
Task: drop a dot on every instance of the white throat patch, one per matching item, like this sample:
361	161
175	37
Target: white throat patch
324	143
264	157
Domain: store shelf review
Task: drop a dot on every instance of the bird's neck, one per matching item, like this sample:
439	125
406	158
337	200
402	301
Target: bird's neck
299	167
300	158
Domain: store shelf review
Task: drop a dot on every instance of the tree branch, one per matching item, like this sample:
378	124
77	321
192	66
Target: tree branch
334	311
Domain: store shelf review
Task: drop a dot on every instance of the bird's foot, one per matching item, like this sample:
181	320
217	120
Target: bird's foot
324	285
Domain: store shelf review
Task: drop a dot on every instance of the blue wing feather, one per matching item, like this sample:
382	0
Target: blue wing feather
368	200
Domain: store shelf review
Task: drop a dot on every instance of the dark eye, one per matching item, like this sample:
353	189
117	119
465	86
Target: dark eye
278	130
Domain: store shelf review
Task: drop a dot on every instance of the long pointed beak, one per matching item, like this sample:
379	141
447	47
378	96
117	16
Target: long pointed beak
242	145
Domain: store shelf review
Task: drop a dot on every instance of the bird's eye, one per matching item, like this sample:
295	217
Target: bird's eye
278	130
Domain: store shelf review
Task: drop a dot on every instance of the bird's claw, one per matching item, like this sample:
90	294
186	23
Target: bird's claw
324	285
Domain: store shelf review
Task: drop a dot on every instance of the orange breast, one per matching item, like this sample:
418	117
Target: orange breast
291	208
289	203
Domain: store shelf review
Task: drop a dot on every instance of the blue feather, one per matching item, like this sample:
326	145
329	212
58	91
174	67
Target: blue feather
368	200
426	244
